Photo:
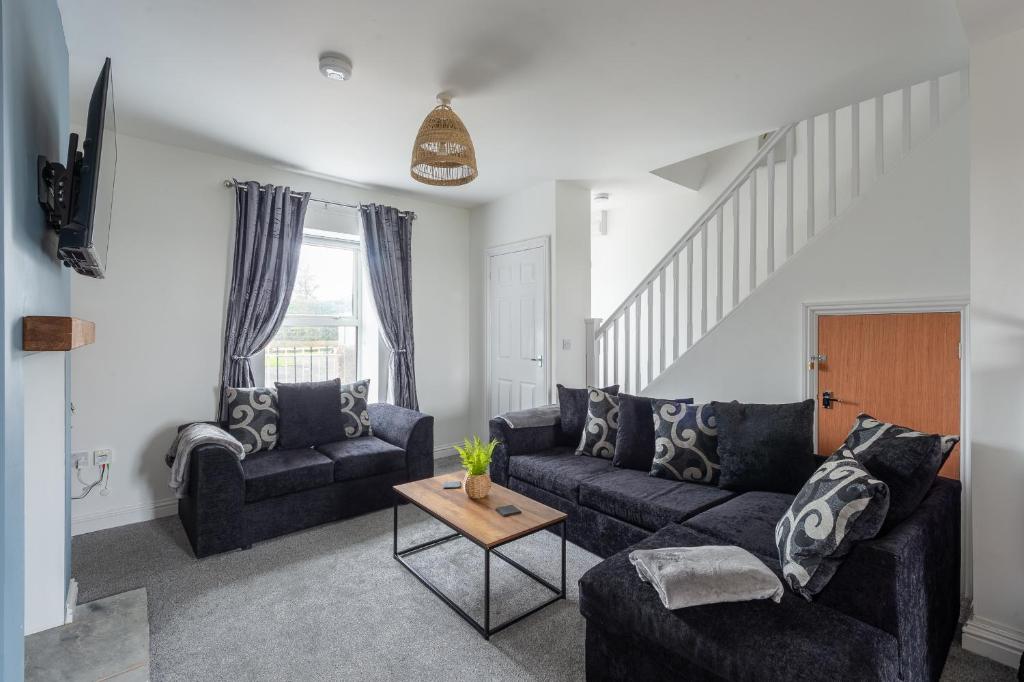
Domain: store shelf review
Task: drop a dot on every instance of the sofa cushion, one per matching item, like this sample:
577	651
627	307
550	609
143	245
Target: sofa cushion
792	640
747	521
362	457
310	413
647	502
252	417
839	506
572	408
355	415
686	442
765	447
558	470
279	472
599	433
634	443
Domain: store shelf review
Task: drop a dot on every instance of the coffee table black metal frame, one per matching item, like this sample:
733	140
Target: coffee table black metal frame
484	629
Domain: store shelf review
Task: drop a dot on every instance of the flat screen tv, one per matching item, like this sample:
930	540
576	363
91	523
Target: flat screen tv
78	199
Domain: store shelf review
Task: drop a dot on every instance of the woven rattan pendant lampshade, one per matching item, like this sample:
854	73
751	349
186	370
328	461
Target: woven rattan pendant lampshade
443	153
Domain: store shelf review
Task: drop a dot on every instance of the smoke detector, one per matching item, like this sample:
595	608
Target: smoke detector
335	66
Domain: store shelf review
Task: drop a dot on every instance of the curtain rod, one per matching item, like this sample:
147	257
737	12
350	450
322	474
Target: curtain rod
231	184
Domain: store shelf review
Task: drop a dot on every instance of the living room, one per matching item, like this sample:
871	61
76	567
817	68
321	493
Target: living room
699	320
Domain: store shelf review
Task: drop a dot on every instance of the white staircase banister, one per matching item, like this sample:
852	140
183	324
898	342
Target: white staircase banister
737	182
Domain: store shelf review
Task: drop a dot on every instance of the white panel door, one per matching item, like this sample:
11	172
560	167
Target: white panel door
518	329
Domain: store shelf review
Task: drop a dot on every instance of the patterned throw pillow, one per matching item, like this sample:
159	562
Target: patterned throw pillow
602	425
253	417
867	429
685	442
906	460
354	413
840	505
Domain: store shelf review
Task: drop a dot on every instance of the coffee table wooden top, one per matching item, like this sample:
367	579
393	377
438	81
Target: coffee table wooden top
477	519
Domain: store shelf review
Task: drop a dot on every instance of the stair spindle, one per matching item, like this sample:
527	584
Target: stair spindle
735	248
752	281
832	180
855	151
790	153
675	307
689	294
703	279
879	137
810	178
662	333
770	197
650	335
719	275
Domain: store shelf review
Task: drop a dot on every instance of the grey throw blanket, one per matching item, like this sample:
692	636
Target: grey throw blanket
548	415
188	438
690	576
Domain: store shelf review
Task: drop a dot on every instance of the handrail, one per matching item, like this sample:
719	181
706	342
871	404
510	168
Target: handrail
706	216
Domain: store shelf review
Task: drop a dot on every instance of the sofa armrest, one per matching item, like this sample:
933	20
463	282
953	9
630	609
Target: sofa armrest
912	574
514	441
212	512
407	429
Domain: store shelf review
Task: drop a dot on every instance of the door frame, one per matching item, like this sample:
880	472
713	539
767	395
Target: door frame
951	304
543	243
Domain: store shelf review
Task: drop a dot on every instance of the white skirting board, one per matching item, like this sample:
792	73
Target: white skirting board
88	523
994	640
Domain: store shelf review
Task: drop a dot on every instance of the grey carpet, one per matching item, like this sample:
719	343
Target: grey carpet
331	604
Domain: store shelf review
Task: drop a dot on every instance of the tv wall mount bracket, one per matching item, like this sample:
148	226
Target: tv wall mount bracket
56	186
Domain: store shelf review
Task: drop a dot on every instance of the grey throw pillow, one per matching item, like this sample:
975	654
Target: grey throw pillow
355	416
840	505
253	417
906	460
685	442
602	425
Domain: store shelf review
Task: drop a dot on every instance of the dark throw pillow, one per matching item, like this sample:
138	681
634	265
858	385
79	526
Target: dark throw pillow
685	442
840	505
599	433
906	460
310	413
253	417
634	443
765	447
572	408
355	417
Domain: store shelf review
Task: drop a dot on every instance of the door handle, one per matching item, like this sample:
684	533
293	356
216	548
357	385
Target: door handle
827	399
539	359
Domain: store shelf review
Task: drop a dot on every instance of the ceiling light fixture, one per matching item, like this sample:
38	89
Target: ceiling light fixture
443	153
335	66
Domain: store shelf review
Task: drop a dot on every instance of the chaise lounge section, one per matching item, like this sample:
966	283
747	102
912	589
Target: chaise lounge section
889	613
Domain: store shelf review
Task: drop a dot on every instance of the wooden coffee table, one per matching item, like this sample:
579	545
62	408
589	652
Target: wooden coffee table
478	522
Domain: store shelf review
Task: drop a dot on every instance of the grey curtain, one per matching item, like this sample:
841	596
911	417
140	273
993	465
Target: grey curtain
268	238
387	238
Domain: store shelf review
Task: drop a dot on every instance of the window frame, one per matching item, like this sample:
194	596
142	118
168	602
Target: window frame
341	241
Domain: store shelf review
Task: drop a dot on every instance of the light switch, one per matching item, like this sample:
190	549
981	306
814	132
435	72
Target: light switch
566	344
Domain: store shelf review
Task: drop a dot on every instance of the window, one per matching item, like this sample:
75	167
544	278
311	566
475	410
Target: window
321	334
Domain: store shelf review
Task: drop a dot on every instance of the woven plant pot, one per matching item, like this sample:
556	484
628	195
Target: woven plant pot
477	486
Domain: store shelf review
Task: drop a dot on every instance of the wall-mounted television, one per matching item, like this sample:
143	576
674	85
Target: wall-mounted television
78	198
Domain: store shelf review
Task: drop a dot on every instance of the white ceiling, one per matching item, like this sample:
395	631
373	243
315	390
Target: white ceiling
549	89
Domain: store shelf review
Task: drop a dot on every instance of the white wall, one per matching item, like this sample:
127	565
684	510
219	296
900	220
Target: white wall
997	348
45	490
160	315
906	238
558	210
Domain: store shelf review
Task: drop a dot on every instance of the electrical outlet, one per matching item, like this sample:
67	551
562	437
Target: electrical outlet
79	460
101	457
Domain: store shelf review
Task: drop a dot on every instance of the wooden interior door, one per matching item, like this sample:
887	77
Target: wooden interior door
901	368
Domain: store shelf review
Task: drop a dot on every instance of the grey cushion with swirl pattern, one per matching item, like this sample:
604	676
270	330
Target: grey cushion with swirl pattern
253	417
840	505
685	442
598	439
354	414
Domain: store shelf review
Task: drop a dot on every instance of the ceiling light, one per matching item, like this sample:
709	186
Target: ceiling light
336	67
601	199
443	153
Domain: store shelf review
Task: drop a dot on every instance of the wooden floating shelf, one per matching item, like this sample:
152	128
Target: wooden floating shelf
40	333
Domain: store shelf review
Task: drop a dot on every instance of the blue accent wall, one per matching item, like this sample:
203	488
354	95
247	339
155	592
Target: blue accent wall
34	119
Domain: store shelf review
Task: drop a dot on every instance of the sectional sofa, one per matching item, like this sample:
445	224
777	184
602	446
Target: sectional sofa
889	613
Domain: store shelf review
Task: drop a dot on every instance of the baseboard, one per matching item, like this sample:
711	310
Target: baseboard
88	523
994	640
446	450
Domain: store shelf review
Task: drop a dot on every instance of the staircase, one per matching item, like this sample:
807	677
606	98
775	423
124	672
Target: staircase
802	177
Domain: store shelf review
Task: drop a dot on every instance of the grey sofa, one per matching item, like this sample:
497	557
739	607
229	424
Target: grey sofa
888	614
233	503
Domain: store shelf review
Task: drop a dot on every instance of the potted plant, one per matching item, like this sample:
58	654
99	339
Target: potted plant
476	457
